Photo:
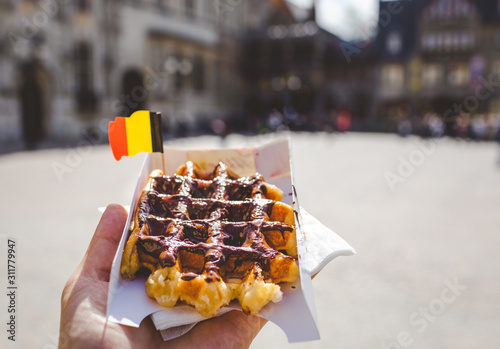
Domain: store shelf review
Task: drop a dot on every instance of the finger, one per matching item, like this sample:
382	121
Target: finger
230	330
99	257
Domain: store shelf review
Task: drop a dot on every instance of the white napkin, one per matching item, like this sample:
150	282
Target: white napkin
321	246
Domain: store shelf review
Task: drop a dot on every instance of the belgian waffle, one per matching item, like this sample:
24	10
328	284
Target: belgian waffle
209	238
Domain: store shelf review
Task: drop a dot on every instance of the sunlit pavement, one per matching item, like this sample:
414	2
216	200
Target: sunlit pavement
424	218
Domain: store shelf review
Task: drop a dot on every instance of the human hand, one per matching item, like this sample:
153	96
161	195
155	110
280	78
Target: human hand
84	299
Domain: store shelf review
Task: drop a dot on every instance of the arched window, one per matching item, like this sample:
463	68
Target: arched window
134	94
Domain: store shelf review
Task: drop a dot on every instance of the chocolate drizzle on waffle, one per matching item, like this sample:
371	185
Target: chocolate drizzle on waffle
209	238
215	224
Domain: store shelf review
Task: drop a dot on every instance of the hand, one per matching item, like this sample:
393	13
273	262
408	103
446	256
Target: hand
84	299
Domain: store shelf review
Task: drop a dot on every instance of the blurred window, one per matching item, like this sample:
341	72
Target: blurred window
85	97
432	41
466	40
198	73
441	9
433	12
133	91
251	59
495	105
448	40
439	40
449	9
432	75
216	77
394	42
277	58
458	75
304	52
156	55
178	77
3	74
495	68
158	64
392	76
83	5
424	41
161	5
190	8
472	39
456	40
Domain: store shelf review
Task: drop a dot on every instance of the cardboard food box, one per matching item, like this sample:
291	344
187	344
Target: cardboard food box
295	314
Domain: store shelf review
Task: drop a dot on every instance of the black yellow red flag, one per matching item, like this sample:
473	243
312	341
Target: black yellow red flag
140	132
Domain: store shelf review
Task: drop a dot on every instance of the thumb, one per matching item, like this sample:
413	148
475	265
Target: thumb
99	256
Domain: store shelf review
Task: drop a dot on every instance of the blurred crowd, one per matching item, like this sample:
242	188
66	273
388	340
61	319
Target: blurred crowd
275	121
479	127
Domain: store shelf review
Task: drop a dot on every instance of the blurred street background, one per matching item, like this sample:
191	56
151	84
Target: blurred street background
430	68
394	105
437	226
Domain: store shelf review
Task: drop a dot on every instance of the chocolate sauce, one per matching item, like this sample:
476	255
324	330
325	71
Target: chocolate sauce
214	224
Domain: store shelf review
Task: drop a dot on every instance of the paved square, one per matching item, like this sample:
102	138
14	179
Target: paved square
424	217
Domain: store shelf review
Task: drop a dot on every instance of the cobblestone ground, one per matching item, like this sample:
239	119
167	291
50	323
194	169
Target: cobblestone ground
424	218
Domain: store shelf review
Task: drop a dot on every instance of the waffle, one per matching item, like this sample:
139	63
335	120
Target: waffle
209	238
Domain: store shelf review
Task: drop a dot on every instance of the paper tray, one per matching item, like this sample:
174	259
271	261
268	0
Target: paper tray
128	303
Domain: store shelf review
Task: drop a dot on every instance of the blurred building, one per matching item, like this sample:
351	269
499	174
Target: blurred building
50	76
438	56
183	54
429	58
67	66
70	65
282	64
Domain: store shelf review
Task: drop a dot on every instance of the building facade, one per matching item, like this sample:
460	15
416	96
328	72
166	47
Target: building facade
66	66
439	56
72	65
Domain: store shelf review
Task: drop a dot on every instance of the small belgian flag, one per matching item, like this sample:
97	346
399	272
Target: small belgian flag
140	132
